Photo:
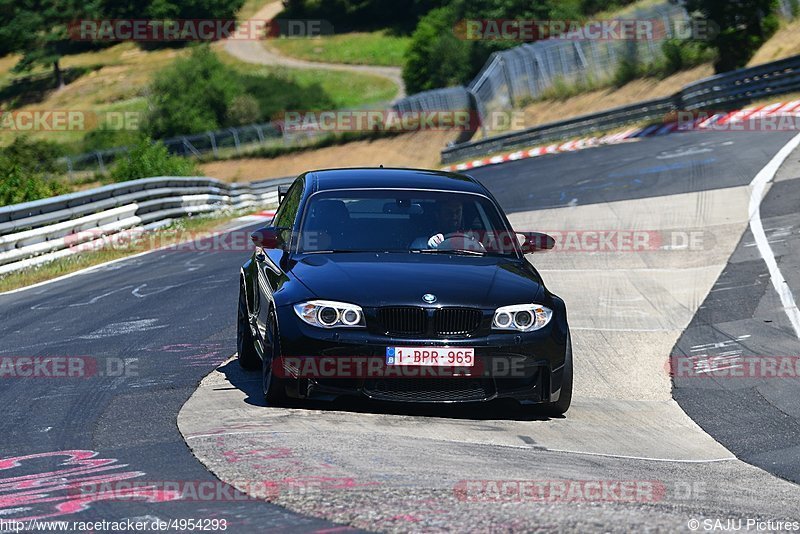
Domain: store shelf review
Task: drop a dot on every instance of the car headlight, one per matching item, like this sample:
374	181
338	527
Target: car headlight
330	314
521	317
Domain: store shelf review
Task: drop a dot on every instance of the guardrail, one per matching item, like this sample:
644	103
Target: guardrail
37	232
736	87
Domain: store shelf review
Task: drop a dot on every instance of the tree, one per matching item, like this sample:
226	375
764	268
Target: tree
439	56
38	29
192	95
436	57
743	26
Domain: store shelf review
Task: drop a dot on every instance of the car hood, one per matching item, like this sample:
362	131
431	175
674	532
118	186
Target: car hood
380	279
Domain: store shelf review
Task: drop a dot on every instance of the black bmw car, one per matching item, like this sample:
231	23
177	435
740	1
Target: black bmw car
400	285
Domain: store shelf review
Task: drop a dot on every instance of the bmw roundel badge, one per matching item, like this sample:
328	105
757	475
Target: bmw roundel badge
429	298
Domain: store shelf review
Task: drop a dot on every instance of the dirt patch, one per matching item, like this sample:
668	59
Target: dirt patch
419	149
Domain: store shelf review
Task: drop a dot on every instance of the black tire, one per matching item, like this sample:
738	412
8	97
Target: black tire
560	407
245	347
274	386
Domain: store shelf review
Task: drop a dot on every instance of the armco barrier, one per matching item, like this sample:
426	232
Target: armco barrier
36	232
715	92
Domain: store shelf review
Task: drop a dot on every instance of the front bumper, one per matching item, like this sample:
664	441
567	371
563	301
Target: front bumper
326	364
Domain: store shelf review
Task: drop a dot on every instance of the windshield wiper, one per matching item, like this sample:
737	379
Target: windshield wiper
332	251
456	251
348	251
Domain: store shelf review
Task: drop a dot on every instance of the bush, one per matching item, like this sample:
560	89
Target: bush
200	93
33	156
106	137
192	95
276	94
630	67
682	54
18	185
349	15
23	166
436	57
147	159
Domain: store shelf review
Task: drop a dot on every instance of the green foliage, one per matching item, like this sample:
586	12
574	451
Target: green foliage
32	155
680	54
192	95
276	94
105	137
590	7
630	66
18	185
744	25
38	29
436	57
23	165
350	15
199	93
439	56
147	159
172	9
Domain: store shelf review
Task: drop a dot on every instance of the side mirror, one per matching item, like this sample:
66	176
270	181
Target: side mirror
268	237
536	242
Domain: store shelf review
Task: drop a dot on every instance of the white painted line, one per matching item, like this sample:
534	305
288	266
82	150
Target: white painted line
759	184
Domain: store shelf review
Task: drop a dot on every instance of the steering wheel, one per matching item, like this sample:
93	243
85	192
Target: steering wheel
461	241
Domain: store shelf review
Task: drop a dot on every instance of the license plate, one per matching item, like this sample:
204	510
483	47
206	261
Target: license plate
431	356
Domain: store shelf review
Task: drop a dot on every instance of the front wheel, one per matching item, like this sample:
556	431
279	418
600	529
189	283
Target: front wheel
560	407
245	347
274	386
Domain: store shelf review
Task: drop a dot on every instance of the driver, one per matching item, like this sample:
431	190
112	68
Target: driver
449	220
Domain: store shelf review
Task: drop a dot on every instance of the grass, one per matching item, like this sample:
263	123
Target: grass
250	8
169	235
109	80
115	79
626	11
345	89
358	48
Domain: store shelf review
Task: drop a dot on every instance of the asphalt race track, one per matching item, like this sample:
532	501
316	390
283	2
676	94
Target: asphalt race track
153	326
754	414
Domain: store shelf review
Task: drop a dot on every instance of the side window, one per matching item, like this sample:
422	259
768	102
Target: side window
287	212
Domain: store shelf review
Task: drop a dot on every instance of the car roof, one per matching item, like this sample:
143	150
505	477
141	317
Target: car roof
391	178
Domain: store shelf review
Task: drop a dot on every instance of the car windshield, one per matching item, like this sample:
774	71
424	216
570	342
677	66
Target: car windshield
404	221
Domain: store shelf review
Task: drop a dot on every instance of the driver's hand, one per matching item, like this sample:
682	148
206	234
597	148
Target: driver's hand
435	241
